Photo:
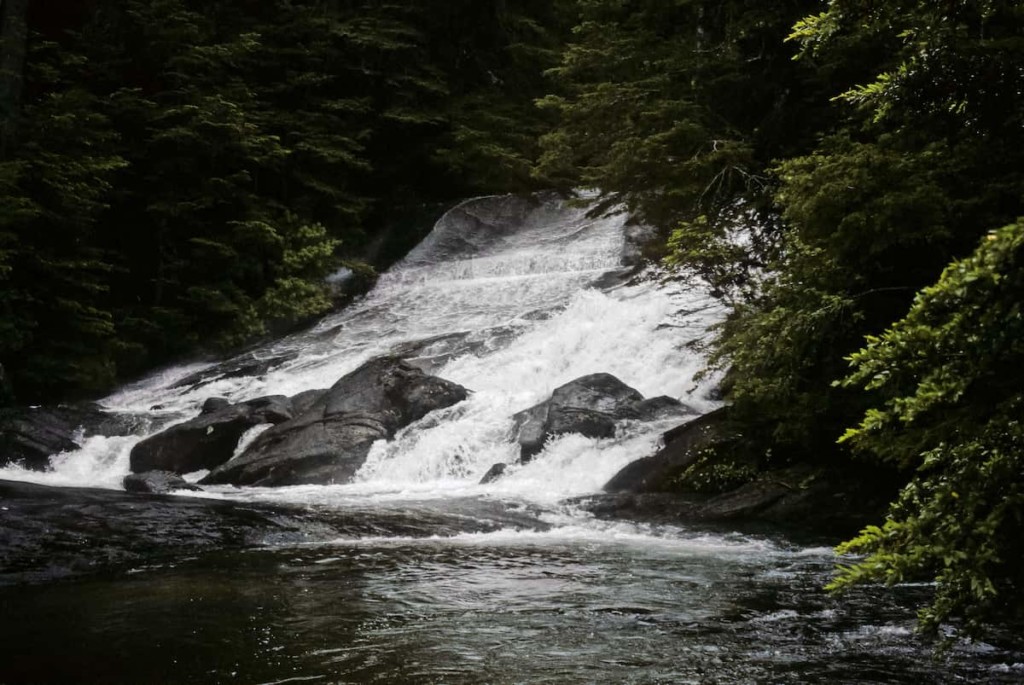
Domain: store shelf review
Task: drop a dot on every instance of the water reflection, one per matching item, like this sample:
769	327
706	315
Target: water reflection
537	610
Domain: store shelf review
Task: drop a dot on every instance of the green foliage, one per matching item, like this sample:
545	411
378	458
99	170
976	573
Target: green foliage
872	214
185	174
819	164
675	111
55	329
950	380
714	471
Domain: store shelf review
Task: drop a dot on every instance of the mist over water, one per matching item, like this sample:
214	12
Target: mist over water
511	298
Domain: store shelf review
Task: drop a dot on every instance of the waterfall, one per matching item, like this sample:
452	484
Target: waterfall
507	296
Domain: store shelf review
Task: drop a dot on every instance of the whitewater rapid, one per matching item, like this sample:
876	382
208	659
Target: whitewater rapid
507	296
415	572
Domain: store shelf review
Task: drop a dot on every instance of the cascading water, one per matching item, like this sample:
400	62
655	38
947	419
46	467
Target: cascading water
511	298
496	298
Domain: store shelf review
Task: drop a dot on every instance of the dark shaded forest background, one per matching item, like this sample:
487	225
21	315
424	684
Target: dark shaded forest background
182	175
179	177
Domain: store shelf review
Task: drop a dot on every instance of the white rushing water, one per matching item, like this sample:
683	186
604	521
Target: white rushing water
500	298
415	572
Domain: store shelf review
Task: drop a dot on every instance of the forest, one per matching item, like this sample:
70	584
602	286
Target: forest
180	178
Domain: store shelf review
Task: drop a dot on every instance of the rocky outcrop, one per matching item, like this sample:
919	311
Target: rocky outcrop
208	440
682	448
591	406
833	498
156	483
834	501
330	441
30	436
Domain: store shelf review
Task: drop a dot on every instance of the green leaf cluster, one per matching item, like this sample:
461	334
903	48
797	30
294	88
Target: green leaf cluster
950	381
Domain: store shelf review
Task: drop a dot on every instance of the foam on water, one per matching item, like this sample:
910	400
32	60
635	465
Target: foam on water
101	462
622	535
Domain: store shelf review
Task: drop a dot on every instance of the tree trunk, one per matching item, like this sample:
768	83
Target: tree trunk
13	43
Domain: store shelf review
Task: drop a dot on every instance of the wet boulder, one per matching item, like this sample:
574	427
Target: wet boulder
683	446
591	406
210	439
29	437
302	402
271	409
655	409
156	483
330	441
215	404
494	473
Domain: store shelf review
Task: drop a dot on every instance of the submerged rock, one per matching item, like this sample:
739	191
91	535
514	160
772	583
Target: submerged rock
591	406
51	533
156	483
330	441
208	440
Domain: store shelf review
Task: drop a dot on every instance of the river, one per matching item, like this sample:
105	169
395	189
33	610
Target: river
511	298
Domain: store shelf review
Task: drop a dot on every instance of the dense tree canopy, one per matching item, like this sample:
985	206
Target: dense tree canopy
181	175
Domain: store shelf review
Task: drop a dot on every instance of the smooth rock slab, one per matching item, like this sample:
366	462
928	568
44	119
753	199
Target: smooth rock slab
49	533
331	440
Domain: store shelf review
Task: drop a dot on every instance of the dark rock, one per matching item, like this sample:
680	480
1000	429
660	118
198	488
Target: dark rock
271	409
302	402
248	364
836	501
50	533
682	447
156	482
30	436
208	440
614	279
215	404
836	498
591	406
493	473
330	441
657	408
205	442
